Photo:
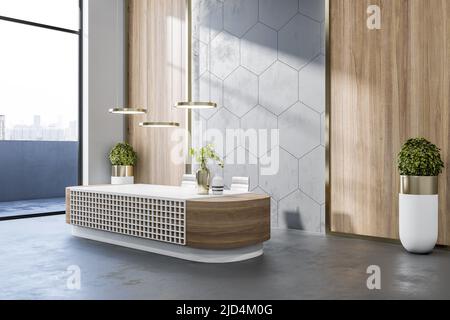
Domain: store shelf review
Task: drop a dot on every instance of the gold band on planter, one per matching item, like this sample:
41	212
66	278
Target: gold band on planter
418	185
122	171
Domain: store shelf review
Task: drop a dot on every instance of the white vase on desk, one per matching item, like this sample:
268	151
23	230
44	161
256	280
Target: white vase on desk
217	185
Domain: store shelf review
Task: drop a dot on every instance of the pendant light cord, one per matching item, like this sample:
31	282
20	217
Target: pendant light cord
209	57
116	55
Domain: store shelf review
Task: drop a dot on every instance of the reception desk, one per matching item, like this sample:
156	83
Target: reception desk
173	221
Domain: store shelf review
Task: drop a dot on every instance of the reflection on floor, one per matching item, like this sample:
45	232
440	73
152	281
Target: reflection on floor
295	266
30	207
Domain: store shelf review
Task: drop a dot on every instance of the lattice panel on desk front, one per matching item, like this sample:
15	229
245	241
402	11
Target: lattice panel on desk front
149	218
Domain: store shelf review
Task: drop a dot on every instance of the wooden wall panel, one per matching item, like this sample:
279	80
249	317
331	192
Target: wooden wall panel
156	81
386	86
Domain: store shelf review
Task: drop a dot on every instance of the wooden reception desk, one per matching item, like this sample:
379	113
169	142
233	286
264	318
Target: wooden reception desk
173	221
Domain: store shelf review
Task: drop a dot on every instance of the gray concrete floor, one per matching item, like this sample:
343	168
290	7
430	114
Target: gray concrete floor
36	206
35	255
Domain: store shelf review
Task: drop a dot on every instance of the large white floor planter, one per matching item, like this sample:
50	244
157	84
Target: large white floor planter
418	210
122	175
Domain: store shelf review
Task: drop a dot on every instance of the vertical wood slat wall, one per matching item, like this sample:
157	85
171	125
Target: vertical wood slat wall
386	86
157	46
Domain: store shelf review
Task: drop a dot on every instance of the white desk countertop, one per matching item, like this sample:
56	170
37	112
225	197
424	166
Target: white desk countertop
148	190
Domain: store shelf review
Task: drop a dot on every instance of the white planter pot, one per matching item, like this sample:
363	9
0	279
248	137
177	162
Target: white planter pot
122	180
418	214
122	175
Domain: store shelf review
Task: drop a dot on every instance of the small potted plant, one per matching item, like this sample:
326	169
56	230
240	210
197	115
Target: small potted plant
123	159
202	156
419	163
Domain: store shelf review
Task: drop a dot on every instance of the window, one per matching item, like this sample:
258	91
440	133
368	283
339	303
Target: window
39	86
39	104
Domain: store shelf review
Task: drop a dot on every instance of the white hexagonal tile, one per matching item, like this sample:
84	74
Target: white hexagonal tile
285	180
240	15
217	127
312	84
200	58
208	88
259	121
298	211
273	208
299	41
207	17
314	9
299	129
276	13
312	174
224	54
241	163
241	91
278	88
259	48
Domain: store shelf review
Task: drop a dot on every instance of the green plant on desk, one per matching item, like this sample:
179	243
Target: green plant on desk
202	156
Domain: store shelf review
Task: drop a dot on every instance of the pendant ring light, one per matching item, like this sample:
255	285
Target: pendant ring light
135	111
190	104
121	110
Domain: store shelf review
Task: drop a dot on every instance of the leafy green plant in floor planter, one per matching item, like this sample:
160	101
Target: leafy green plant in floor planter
123	159
419	164
419	157
202	156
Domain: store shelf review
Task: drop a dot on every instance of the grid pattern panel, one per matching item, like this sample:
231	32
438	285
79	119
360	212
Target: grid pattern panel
149	218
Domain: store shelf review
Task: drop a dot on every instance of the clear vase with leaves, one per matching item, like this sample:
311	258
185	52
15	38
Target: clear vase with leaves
202	156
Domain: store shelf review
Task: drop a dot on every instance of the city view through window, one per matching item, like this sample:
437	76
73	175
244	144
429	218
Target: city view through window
39	71
39	104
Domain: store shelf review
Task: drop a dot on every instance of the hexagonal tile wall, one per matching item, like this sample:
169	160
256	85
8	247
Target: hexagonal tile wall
313	9
207	18
240	91
276	13
312	174
298	211
259	48
299	129
278	88
198	132
208	88
217	127
284	180
257	119
267	74
225	55
241	163
200	52
299	41
240	16
312	84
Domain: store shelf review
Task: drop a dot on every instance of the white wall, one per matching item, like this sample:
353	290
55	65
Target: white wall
103	87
